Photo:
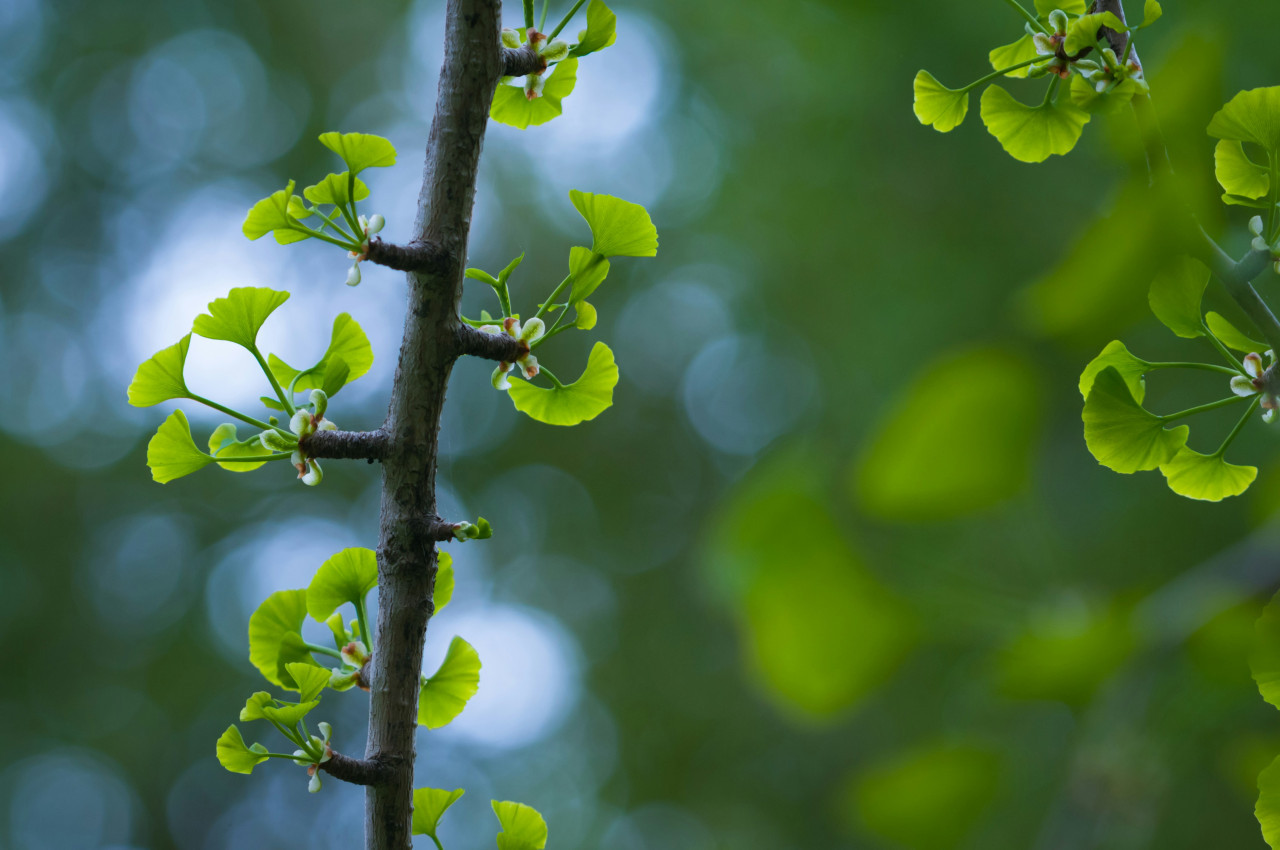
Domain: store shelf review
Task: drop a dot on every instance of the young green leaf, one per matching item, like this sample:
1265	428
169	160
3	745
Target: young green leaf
1250	116
584	399
1020	51
588	270
1117	357
445	694
1120	434
1232	338
348	357
522	826
279	617
1071	7
1031	133
601	30
1206	477
333	190
429	805
238	317
347	576
618	228
937	106
1267	809
513	108
1238	175
309	678
444	580
1083	31
223	443
289	714
253	706
1086	97
172	453
1175	297
586	316
160	377
273	214
360	150
1264	662
235	756
1151	12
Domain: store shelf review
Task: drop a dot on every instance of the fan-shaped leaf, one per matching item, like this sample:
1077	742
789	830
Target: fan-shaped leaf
289	714
1206	477
273	213
348	357
172	453
429	805
1230	336
1175	297
310	679
1031	133
445	694
235	756
584	399
618	228
345	577
223	443
522	826
360	150
1267	809
1116	356
444	580
1083	31
1237	174
601	30
1120	434
278	618
937	106
1022	50
253	706
333	189
238	317
588	270
1264	662
160	377
1250	116
512	107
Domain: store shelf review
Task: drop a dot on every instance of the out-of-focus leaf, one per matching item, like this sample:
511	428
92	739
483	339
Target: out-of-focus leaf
1250	116
444	580
1083	31
1237	174
601	30
1175	297
1066	652
1267	810
1265	660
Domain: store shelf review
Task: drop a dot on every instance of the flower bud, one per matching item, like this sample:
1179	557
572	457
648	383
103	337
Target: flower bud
1044	44
376	223
273	440
326	732
532	330
490	329
499	379
343	679
319	402
1256	225
510	38
554	51
1058	21
326	425
529	366
314	785
302	423
355	654
314	474
1260	244
533	84
353	275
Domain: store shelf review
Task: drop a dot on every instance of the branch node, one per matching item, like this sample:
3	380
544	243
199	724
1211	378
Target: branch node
501	347
346	445
414	257
520	61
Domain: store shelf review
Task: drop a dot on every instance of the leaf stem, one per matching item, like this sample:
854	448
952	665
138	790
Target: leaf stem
1031	19
542	21
555	329
555	32
363	617
1203	408
323	650
440	846
1048	95
350	246
275	385
1208	367
545	371
556	292
254	459
292	758
1239	426
528	14
1000	73
248	420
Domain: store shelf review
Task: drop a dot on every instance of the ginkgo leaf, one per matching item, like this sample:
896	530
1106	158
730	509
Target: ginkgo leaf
429	805
223	443
289	714
1082	32
253	706
1020	51
444	581
1120	434
1031	133
347	576
309	678
1250	116
273	214
160	377
1152	11
1176	294
618	228
333	189
238	317
588	270
937	106
1108	102
235	756
586	316
601	30
1230	336
360	150
1208	478
1264	662
1238	175
523	827
445	693
1117	357
348	357
512	107
172	452
1071	7
1267	809
276	620
584	399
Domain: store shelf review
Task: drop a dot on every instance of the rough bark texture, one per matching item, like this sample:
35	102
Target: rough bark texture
406	552
417	257
346	445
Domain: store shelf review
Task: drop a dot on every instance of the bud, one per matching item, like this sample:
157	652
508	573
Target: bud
343	680
1058	21
510	38
276	442
499	379
327	732
1256	225
376	223
532	330
314	785
490	329
1044	44
354	654
302	423
319	402
1260	244
314	475
533	84
554	51
529	366
335	625
1035	72
353	275
363	221
326	425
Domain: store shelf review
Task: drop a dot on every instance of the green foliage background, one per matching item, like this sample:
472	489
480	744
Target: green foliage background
836	570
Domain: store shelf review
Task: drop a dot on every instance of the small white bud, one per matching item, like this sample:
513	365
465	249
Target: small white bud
500	381
1260	244
490	329
353	275
1253	364
532	330
314	785
314	474
376	223
1268	416
533	84
1256	225
1242	386
510	38
554	51
274	441
1044	44
529	366
302	423
1058	20
319	402
326	425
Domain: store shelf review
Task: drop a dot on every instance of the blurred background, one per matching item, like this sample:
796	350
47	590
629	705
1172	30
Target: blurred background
835	571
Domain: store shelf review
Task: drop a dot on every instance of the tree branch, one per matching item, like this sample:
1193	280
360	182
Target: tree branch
414	257
519	61
356	771
346	445
502	347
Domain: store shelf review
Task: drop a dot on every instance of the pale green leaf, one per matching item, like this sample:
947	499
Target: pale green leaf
1151	12
289	714
444	580
1022	50
271	626
1267	809
238	317
584	399
223	443
1120	434
272	213
512	107
1238	175
1071	7
618	228
160	377
253	706
522	826
1250	116
1264	661
1031	133
588	270
333	189
1208	478
445	694
429	805
347	576
1232	338
1086	97
360	150
1117	357
235	756
937	106
172	453
348	357
1176	295
601	30
1083	31
959	439
309	678
586	316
